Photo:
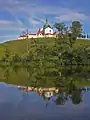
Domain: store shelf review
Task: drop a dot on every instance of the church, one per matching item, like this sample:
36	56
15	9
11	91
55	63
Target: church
45	31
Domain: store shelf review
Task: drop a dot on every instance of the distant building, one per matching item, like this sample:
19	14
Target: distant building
45	31
83	37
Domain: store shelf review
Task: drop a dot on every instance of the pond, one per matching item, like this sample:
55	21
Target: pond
27	95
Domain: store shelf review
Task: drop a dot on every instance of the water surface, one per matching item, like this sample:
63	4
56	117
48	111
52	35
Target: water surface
22	98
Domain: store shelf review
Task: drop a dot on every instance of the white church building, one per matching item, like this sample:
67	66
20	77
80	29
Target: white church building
45	31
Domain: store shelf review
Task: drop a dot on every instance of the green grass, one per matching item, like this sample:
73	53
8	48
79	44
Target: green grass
20	46
82	42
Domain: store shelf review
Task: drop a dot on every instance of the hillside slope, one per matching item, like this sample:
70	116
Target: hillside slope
20	46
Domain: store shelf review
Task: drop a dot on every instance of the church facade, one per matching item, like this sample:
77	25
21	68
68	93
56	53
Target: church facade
45	31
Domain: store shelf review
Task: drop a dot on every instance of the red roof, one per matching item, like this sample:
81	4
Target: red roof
32	34
39	31
49	26
22	36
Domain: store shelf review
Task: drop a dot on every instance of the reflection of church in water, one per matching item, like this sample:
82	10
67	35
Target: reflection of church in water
46	93
57	96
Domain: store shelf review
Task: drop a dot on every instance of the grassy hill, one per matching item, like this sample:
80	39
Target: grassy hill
20	46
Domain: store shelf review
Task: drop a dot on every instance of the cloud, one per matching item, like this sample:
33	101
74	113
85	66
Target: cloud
34	21
4	22
8	37
38	13
42	10
15	16
7	22
73	16
31	9
10	25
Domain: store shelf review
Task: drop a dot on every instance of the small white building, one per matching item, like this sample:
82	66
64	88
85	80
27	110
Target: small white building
21	37
46	31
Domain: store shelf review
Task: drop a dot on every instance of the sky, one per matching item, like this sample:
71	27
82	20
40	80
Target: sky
18	15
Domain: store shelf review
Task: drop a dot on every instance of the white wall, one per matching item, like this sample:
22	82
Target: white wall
40	35
48	30
83	38
29	36
20	38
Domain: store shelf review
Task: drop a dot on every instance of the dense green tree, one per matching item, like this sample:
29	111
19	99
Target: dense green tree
60	27
7	54
16	58
76	28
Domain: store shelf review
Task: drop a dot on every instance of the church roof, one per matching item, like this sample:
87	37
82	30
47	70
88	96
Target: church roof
39	31
46	24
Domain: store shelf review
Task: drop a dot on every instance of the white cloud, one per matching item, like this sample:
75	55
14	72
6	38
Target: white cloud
10	25
5	22
15	16
58	13
33	21
8	36
72	16
36	11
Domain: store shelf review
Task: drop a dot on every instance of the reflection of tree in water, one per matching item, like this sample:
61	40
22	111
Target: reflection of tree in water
6	74
76	97
75	93
61	98
43	77
71	86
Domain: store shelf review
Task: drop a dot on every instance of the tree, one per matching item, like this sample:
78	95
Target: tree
60	27
76	28
87	36
16	58
7	53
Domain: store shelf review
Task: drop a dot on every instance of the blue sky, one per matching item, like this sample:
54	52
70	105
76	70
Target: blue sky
18	15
